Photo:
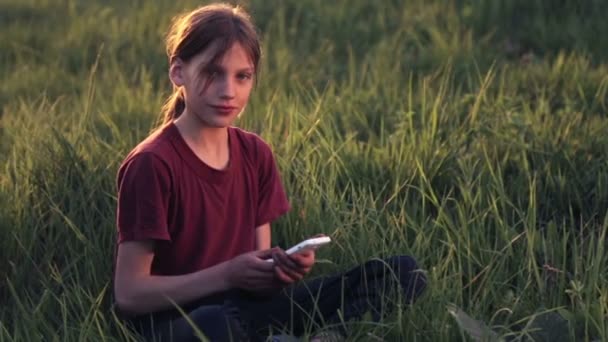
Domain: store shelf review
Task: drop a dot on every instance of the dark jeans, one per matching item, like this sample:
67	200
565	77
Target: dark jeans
243	316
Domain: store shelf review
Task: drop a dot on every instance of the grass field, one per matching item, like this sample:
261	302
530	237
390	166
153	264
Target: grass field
472	135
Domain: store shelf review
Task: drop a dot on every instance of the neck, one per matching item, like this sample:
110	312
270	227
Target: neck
207	142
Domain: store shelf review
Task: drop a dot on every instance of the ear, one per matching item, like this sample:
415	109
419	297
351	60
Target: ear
176	72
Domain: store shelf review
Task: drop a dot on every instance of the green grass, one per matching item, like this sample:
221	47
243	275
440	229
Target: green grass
473	136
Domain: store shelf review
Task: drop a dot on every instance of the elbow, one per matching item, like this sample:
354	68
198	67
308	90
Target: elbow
127	302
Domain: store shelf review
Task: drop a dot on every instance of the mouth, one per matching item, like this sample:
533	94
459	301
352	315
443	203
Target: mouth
223	110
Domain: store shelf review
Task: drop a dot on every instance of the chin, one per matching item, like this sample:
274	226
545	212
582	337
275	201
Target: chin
219	123
215	121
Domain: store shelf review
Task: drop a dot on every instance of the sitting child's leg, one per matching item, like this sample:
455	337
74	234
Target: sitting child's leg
361	289
377	284
215	322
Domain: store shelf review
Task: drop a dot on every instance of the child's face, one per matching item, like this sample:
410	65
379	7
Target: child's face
228	85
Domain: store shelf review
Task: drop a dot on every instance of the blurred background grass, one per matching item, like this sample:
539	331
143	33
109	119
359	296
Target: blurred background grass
470	134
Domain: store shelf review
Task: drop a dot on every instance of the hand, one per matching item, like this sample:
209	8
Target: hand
250	271
292	268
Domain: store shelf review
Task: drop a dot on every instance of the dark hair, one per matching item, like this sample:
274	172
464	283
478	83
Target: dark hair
216	26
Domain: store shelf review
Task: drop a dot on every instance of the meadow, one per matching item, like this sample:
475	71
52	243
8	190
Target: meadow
470	134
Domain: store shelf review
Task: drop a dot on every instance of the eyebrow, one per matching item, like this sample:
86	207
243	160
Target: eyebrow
250	70
220	68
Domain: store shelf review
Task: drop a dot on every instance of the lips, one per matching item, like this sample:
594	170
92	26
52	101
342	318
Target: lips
223	110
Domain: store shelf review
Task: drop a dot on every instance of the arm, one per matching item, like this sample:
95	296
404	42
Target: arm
138	292
263	237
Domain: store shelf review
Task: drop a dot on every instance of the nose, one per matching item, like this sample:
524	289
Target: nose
227	89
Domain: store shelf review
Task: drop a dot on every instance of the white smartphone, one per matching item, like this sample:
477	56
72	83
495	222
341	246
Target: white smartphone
312	243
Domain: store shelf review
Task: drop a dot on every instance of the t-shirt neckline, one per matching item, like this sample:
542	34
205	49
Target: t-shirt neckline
201	168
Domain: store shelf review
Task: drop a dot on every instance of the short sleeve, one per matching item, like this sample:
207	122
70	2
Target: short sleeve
144	186
272	200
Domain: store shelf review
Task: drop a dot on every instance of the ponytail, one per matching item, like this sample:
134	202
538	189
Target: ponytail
173	107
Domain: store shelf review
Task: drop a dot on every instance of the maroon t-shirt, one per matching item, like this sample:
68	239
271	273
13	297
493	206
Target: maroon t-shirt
199	216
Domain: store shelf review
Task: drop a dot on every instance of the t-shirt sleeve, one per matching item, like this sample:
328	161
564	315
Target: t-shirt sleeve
272	200
144	186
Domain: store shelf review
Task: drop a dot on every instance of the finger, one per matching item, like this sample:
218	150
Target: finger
283	276
304	269
263	265
284	260
294	275
265	253
303	260
258	267
288	266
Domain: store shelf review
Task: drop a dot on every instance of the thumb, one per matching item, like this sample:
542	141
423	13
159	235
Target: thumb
265	253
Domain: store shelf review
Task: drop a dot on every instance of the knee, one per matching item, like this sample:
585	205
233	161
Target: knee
412	279
404	263
400	264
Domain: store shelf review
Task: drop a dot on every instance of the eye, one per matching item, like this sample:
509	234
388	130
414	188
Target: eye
211	72
244	76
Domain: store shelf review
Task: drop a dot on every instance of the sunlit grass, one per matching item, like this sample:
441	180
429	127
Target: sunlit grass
399	129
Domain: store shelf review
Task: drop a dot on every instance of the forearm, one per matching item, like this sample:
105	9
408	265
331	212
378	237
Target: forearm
150	293
262	237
